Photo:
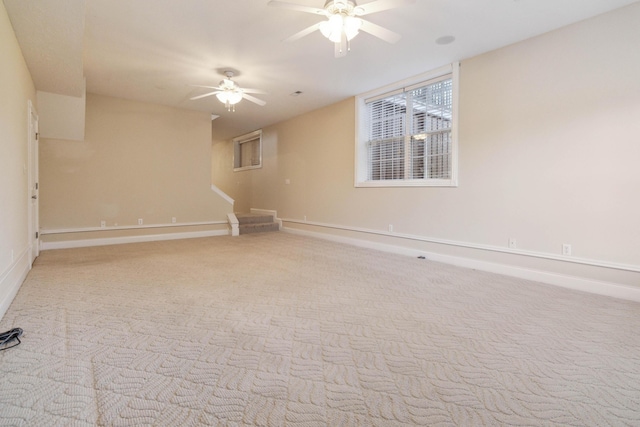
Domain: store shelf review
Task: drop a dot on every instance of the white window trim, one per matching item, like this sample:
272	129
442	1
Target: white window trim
361	166
238	141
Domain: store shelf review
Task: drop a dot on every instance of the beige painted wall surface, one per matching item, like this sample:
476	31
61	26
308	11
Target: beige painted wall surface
138	160
236	185
562	123
549	151
16	88
61	116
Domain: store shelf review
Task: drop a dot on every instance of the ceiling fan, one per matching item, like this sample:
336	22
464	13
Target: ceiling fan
343	21
229	93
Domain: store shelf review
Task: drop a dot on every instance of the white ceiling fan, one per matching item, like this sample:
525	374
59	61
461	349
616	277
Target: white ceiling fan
229	93
343	21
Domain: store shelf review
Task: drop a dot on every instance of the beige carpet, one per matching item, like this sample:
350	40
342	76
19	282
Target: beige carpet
280	330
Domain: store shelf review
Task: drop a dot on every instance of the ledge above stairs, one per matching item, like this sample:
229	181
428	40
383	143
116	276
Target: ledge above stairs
257	221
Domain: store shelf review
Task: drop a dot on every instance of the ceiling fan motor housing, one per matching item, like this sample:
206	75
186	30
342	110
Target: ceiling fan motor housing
344	7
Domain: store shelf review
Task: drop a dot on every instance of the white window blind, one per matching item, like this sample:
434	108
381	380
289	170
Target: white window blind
409	133
387	122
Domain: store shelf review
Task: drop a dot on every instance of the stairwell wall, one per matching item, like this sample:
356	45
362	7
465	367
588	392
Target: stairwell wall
236	184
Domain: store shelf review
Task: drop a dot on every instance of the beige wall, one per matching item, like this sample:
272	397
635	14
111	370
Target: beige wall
16	88
235	185
549	151
138	160
563	125
62	116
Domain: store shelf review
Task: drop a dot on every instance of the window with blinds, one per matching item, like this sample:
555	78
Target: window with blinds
247	151
407	135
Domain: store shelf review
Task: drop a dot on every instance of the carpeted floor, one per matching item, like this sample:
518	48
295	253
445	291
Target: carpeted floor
280	330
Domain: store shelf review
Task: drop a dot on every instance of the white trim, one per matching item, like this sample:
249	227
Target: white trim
268	212
575	260
12	278
222	194
83	243
33	211
234	223
409	183
410	81
455	120
571	282
126	227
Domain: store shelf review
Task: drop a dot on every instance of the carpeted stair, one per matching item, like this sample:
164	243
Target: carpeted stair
256	223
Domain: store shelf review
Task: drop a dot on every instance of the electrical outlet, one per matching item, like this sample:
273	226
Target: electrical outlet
139	221
173	220
566	249
512	242
103	224
391	228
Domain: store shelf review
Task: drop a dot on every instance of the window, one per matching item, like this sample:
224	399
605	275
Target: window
407	133
247	151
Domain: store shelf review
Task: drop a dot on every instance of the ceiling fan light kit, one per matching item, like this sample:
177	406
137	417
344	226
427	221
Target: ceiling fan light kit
229	93
342	20
337	25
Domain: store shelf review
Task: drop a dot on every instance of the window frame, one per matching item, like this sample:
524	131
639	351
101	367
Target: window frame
361	175
237	150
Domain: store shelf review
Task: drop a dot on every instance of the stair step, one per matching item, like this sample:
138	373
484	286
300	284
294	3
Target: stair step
258	227
253	218
256	223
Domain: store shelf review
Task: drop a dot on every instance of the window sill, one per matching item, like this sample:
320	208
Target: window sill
246	168
407	183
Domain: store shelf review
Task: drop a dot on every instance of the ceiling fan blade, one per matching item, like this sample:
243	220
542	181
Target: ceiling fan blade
294	6
341	47
249	90
379	32
380	5
208	87
253	99
205	95
303	33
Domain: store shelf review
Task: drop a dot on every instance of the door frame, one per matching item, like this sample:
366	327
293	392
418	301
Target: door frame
33	193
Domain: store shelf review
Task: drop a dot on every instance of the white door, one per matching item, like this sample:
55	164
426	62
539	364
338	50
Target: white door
34	186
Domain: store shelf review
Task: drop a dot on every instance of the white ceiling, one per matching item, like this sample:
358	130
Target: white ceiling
153	50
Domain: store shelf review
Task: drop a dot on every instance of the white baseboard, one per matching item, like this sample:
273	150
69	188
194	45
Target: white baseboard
12	279
48	231
571	282
82	243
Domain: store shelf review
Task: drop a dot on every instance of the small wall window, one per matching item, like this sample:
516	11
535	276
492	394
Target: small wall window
407	132
247	151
